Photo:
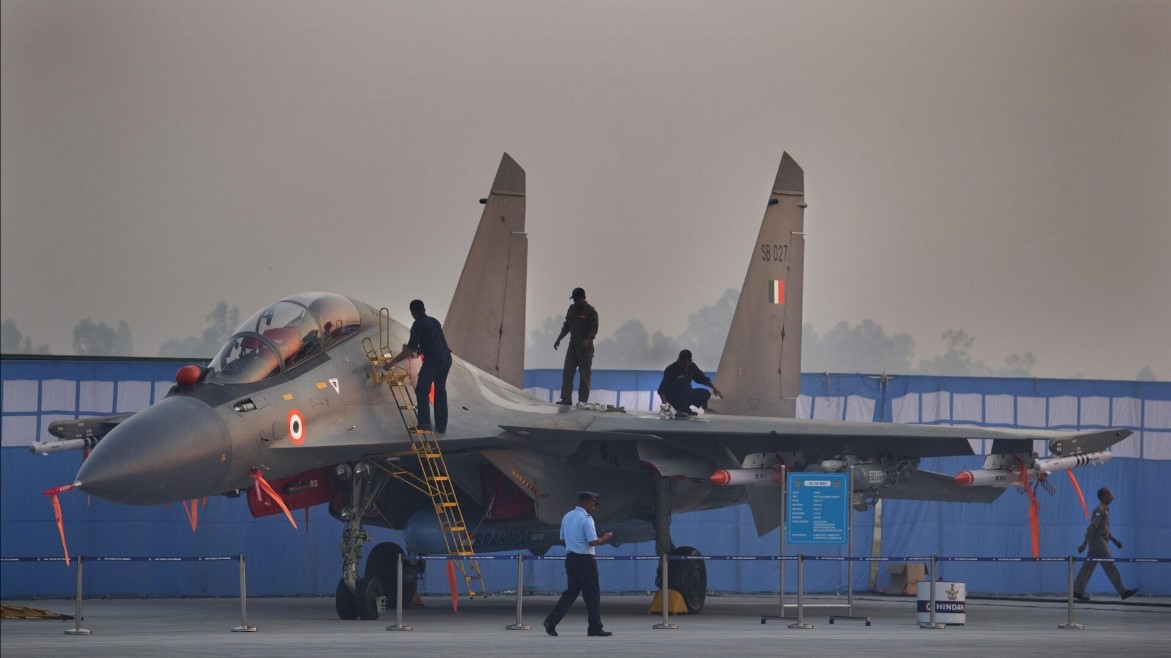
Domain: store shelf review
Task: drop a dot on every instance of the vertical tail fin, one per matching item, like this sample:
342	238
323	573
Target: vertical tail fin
485	324
760	368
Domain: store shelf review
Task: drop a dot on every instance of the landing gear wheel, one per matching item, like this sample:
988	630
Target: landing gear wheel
383	563
689	578
369	591
343	599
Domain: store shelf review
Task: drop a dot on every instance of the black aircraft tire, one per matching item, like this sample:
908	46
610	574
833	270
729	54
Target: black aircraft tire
689	578
343	599
383	562
369	591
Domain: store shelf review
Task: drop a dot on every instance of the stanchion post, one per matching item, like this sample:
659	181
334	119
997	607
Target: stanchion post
850	541
1070	623
784	482
243	627
800	623
664	600
931	583
520	594
77	629
399	597
781	541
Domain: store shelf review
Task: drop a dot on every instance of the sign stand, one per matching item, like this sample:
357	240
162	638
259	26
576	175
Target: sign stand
781	550
850	555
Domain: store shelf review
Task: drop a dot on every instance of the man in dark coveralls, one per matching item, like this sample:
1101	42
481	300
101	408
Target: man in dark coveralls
428	340
1097	538
581	323
676	390
581	571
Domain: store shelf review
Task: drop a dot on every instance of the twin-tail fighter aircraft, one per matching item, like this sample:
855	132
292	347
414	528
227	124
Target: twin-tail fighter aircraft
299	409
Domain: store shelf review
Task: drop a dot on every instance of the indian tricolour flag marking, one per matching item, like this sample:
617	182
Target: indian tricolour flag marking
776	291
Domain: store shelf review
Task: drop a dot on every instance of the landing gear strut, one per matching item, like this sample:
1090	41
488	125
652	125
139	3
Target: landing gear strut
688	578
358	597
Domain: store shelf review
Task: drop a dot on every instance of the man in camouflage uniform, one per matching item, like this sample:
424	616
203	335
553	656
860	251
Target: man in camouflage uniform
1097	539
581	324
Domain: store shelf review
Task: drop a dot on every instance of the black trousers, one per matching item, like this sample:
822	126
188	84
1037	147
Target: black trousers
581	572
686	398
434	371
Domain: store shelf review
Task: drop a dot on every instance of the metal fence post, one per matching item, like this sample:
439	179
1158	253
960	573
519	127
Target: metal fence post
399	626
243	627
520	594
1070	623
664	599
77	629
931	583
800	623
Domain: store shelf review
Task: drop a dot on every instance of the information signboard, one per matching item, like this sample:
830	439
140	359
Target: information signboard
818	508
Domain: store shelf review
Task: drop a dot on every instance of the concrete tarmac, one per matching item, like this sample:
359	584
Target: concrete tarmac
728	626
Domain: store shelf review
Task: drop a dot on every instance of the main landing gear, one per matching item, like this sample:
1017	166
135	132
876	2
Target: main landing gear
366	597
688	578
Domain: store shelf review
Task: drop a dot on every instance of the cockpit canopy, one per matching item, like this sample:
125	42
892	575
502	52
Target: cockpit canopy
284	335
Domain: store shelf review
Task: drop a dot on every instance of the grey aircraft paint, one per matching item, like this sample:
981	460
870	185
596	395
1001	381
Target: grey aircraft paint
516	461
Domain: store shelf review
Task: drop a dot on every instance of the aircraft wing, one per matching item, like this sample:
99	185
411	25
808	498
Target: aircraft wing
823	439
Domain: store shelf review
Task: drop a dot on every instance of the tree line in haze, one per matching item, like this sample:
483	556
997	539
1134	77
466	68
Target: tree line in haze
100	339
864	347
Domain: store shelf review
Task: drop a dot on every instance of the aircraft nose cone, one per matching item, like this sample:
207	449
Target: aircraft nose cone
177	449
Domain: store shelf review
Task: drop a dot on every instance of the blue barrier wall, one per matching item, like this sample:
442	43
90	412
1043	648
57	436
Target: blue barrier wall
286	561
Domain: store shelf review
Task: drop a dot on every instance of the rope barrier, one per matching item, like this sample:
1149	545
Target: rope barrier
638	558
812	558
663	559
80	559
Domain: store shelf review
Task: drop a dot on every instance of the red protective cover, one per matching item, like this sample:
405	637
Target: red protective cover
299	491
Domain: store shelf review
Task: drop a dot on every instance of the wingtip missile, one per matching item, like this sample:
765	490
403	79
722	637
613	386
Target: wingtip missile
998	477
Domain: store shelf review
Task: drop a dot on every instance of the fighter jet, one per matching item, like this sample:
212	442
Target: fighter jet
299	409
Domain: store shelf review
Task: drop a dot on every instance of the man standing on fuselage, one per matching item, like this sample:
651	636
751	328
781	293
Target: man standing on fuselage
427	339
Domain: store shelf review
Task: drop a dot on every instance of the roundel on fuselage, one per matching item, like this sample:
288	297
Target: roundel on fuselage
295	426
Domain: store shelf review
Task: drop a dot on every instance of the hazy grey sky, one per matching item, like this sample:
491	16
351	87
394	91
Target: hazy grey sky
1002	167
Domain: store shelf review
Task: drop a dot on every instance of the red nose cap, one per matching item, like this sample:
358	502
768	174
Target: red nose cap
720	478
964	478
188	375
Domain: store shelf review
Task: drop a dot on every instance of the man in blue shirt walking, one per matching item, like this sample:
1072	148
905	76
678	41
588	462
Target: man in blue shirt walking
581	571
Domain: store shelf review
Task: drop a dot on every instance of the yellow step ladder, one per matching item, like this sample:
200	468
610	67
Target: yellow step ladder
436	480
